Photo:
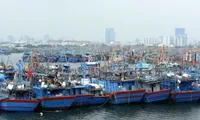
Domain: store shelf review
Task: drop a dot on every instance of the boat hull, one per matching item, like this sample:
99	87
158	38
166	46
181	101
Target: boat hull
99	100
19	105
130	96
156	96
62	60
187	96
61	102
82	100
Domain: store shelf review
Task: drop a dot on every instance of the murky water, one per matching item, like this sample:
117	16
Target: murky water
183	111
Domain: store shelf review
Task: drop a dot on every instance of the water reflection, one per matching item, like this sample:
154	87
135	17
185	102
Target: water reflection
122	112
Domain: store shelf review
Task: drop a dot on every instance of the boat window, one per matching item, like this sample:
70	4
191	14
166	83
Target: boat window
20	94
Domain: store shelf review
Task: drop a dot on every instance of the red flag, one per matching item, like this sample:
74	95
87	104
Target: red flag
30	73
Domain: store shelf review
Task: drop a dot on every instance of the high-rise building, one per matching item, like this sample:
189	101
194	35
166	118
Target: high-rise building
181	37
171	40
109	35
179	31
161	39
184	39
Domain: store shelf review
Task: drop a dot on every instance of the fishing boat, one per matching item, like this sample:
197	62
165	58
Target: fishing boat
84	58
53	96
154	93
82	97
50	88
73	59
86	93
9	73
151	81
184	88
98	98
122	90
26	56
51	58
17	96
122	84
92	85
62	59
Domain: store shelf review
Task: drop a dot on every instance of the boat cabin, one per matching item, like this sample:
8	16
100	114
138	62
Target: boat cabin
119	81
89	68
9	73
151	84
50	92
78	90
180	84
16	91
95	92
142	67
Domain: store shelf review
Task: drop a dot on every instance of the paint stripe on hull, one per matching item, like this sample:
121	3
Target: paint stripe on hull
82	100
127	96
99	100
12	105
157	96
189	96
57	102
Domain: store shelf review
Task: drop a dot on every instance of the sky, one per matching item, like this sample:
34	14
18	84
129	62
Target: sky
87	19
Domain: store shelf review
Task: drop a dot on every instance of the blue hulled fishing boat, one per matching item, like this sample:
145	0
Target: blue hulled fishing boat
92	86
9	73
151	81
96	90
18	99
17	96
26	56
184	88
154	92
82	97
53	94
122	89
62	59
53	98
51	58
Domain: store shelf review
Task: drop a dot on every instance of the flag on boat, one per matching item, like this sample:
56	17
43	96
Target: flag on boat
30	73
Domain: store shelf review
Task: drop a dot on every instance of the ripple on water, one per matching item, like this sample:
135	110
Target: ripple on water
122	112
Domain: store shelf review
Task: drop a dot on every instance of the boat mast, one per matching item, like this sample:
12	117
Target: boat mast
19	71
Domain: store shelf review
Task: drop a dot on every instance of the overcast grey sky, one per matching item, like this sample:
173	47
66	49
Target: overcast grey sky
87	19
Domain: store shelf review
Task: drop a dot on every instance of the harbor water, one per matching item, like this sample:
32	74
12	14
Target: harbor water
161	111
183	111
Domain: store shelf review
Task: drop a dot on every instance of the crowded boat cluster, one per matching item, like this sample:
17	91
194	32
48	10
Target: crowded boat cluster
97	83
72	54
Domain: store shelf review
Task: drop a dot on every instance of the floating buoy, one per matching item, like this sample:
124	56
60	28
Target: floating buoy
41	114
57	111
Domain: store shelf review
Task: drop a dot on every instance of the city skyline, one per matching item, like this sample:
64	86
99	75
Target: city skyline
86	20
